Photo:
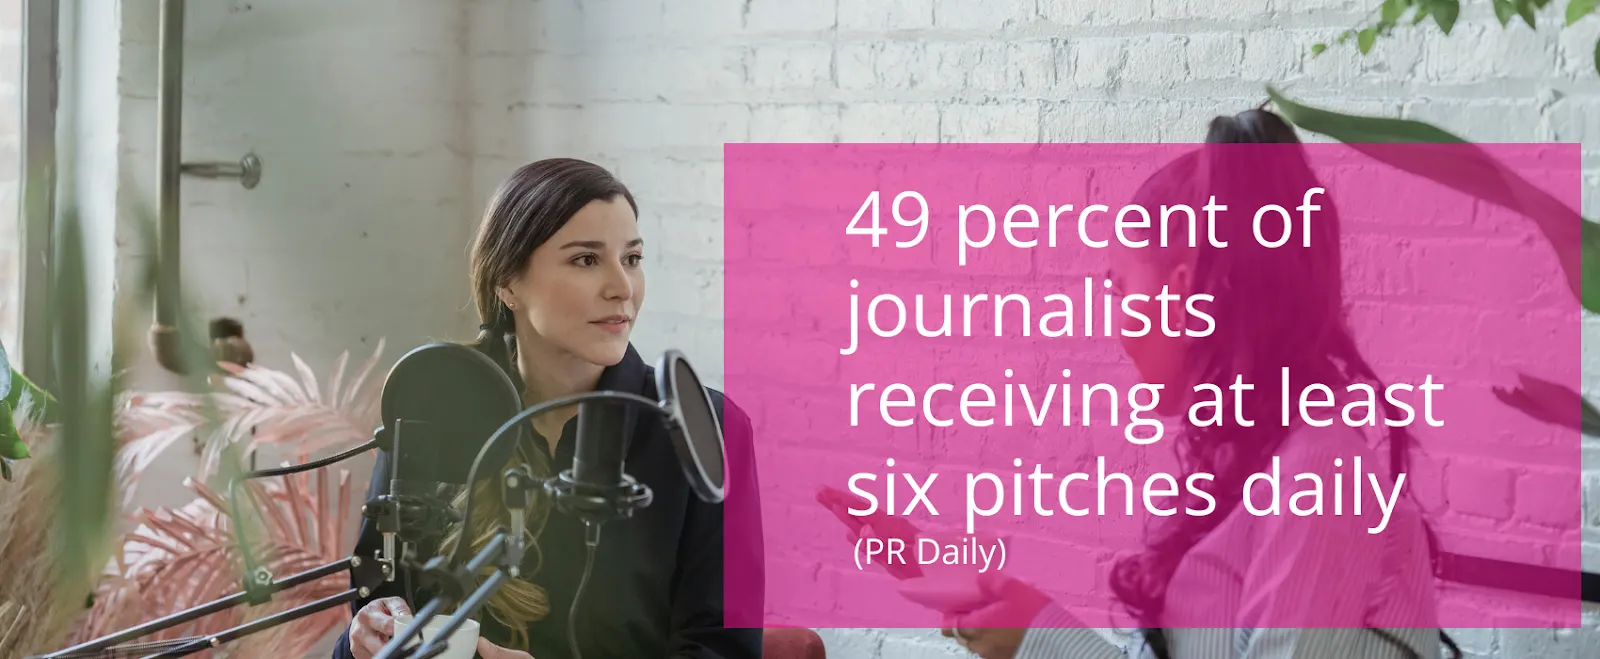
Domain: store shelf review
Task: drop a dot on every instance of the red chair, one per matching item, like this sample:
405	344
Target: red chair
792	643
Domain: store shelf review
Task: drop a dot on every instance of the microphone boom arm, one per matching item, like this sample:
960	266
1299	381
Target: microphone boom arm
352	564
258	585
296	613
594	497
460	553
505	549
257	578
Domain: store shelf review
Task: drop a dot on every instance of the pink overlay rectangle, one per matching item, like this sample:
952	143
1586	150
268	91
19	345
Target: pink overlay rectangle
1079	418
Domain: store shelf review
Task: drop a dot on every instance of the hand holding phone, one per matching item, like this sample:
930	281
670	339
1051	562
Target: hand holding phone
946	592
874	525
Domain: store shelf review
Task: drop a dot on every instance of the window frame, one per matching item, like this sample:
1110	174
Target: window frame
40	90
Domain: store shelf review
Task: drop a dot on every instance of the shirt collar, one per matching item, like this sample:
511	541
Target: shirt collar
629	375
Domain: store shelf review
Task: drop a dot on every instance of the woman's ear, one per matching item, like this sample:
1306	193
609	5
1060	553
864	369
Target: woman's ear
1180	280
506	298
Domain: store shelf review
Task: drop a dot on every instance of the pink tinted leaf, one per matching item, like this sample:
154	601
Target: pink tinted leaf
308	380
336	394
252	390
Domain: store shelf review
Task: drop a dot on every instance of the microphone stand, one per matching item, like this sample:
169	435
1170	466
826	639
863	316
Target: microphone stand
258	584
504	551
256	577
575	494
353	564
593	504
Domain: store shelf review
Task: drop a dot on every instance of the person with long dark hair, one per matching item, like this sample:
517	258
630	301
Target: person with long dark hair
559	282
1231	585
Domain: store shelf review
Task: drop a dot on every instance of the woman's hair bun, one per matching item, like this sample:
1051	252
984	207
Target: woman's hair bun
226	328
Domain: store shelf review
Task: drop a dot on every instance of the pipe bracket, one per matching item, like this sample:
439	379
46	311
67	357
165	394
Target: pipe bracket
247	170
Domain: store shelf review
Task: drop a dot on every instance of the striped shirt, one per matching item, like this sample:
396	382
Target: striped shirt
1082	643
1250	571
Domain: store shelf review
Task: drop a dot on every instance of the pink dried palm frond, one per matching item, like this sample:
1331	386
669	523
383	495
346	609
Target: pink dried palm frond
146	426
180	558
256	406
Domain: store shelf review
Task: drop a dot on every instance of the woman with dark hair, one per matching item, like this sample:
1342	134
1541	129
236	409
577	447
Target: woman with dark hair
558	281
1230	585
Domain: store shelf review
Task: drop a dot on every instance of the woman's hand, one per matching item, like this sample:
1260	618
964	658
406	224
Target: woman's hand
489	650
373	626
879	524
1013	603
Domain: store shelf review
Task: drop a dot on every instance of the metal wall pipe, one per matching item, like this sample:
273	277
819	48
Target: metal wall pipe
165	337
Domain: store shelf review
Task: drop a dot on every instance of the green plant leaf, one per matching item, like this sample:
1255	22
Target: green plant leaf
1318	49
1504	11
1597	56
1552	403
196	357
1365	39
1576	241
85	436
11	445
1526	9
1445	13
1359	129
1392	9
1421	15
1577	9
43	406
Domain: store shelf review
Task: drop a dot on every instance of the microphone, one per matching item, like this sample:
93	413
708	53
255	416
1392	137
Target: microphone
597	457
440	403
416	509
596	489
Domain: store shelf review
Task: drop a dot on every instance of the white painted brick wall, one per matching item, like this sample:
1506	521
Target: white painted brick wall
359	118
360	226
654	87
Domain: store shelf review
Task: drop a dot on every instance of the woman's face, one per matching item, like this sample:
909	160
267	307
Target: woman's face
582	289
1158	357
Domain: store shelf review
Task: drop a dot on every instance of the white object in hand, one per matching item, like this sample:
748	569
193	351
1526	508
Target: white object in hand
462	645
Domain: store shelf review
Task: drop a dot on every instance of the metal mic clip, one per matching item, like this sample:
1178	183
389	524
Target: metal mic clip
385	511
387	560
519	481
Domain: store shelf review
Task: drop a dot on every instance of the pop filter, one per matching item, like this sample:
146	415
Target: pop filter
692	423
451	399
